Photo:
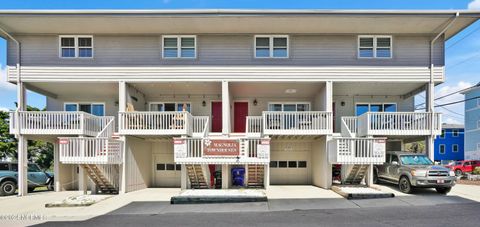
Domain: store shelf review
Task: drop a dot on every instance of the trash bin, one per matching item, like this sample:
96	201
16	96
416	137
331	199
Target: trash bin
238	176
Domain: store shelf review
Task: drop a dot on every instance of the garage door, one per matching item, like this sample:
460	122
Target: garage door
290	163
166	172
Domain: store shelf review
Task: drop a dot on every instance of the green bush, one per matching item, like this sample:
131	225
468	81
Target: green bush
476	171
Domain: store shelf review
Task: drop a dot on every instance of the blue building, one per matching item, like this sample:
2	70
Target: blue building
449	145
472	123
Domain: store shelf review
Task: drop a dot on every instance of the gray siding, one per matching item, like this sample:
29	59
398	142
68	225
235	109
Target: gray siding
315	50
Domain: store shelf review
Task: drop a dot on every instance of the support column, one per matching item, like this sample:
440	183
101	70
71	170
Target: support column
266	177
183	177
369	176
22	166
82	180
329	96
56	166
122	105
225	108
430	107
225	176
22	142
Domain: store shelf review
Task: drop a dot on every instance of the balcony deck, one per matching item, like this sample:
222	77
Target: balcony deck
75	150
57	123
357	150
290	123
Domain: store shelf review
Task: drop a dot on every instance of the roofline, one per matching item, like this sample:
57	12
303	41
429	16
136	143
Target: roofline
243	12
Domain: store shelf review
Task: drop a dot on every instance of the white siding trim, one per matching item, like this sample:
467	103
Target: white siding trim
219	73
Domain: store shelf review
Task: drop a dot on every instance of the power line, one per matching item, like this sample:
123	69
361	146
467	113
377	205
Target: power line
461	62
458	41
449	94
451	103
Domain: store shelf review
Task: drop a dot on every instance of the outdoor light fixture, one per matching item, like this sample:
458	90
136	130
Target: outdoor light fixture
255	102
291	91
204	103
342	103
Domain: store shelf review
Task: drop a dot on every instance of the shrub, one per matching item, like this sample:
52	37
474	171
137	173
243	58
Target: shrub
476	171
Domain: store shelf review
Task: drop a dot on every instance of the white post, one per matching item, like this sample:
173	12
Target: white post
82	180
266	177
22	166
430	108
183	177
225	176
122	104
369	176
56	166
225	108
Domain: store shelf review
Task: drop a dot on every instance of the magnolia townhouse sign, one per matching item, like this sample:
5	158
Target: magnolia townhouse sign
221	147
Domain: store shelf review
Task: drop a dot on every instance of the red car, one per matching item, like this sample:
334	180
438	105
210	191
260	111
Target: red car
461	167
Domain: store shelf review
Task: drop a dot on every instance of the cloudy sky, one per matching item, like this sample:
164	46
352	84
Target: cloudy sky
462	51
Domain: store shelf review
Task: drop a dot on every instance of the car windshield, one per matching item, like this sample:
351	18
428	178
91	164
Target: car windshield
415	160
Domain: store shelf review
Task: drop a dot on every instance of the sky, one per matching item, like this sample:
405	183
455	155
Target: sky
462	51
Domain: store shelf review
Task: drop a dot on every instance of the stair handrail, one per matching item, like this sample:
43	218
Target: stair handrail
107	131
206	127
345	130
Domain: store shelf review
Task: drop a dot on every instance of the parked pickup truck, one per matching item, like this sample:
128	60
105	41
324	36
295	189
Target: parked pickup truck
409	170
36	178
461	167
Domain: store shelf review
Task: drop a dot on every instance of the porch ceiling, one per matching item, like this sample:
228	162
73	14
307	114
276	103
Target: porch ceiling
83	90
152	90
372	88
271	89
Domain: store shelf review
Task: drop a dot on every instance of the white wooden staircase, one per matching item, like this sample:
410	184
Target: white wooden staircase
255	176
357	174
196	177
104	183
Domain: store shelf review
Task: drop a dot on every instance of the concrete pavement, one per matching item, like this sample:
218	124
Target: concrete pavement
156	201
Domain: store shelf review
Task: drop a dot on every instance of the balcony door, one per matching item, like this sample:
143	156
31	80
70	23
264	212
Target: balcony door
240	113
216	116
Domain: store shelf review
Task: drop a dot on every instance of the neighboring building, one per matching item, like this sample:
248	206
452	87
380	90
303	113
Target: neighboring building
472	123
174	98
449	144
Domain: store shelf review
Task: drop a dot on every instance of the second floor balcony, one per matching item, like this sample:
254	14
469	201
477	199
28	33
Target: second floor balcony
290	123
60	123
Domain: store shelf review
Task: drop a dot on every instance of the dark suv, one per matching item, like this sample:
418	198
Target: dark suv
36	178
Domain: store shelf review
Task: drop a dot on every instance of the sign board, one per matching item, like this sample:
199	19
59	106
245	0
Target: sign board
221	147
379	147
179	148
63	141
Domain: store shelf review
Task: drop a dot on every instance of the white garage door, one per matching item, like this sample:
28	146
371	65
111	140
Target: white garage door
290	163
166	172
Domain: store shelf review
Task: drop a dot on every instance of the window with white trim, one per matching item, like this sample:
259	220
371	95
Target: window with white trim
289	107
271	46
455	148
179	46
455	132
97	109
374	46
442	149
170	106
76	46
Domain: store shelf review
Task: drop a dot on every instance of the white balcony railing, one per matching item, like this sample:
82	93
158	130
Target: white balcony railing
349	126
252	151
58	123
357	150
399	123
297	123
254	126
201	126
155	123
86	150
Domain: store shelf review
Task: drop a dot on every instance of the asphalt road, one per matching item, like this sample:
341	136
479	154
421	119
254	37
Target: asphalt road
462	214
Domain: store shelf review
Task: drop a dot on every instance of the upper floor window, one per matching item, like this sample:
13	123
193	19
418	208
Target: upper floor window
271	46
289	107
374	46
179	47
374	107
455	148
97	109
478	124
443	134
455	133
170	106
76	46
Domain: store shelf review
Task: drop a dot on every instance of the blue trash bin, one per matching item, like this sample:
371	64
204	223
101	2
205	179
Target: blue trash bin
238	176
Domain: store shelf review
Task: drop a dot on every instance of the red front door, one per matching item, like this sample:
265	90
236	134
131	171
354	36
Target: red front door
240	113
216	116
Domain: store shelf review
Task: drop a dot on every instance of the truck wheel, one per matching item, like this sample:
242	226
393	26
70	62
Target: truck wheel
458	173
8	188
404	185
443	190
